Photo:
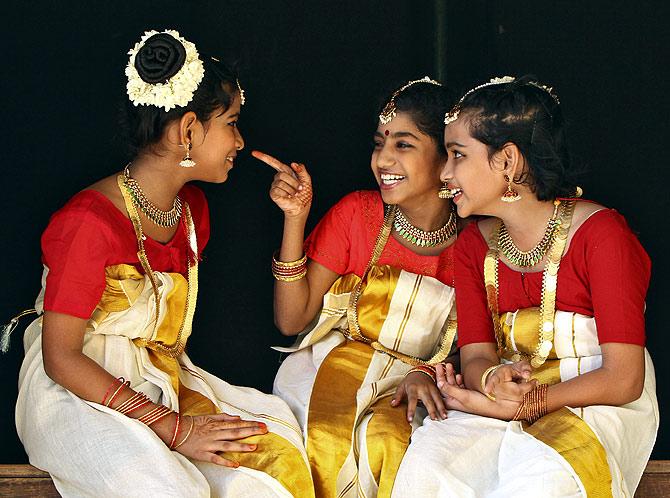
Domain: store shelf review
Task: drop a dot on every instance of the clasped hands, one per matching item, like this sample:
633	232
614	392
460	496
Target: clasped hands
507	384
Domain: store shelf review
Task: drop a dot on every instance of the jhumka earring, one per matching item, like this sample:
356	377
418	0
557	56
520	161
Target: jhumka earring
444	192
187	162
510	194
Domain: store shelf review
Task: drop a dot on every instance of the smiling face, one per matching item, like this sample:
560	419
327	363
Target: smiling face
406	162
222	140
477	180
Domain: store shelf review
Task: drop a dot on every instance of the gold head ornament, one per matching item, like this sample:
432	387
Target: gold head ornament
389	111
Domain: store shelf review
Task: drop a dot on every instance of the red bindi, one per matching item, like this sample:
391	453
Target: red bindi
386	132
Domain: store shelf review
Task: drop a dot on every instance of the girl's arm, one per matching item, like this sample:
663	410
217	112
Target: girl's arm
67	365
296	303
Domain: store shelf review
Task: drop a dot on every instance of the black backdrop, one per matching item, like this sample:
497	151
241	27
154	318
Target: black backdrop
314	73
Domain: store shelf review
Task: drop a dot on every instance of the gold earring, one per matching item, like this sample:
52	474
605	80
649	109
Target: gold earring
510	194
187	162
444	192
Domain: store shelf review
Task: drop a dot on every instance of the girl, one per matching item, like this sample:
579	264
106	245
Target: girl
560	397
373	293
109	402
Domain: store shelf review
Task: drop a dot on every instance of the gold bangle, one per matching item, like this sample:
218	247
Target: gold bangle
485	376
289	271
293	278
288	264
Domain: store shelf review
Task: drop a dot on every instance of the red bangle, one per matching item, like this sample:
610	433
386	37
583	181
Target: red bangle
176	431
109	389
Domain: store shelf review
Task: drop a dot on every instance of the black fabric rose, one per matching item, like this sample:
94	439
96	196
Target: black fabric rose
160	58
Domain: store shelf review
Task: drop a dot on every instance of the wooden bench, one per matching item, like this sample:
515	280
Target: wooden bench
28	481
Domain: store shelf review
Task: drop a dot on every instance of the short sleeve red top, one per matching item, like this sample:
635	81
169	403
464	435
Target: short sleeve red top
89	234
604	273
344	239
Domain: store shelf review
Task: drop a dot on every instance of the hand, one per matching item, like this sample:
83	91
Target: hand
446	374
470	401
419	387
510	381
212	434
291	188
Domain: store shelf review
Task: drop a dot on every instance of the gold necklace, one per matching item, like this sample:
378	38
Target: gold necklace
175	350
547	308
354	331
527	259
421	238
161	218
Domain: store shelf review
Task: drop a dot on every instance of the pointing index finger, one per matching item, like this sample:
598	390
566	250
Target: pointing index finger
271	161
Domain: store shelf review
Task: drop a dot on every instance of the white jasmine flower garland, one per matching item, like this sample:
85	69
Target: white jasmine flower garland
176	91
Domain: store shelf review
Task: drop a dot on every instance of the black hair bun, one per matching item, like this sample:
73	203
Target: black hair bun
160	58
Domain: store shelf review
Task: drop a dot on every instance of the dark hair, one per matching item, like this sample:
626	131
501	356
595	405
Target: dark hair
529	116
426	103
159	59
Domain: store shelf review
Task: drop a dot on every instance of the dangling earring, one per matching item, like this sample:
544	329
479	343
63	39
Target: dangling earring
187	162
444	192
510	194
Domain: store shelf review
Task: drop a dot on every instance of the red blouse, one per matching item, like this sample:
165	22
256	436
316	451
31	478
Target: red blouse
89	233
604	273
344	239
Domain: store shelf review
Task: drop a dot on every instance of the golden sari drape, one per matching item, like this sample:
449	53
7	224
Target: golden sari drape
354	438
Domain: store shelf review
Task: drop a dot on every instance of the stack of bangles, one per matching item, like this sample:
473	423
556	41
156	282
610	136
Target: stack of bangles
291	271
428	370
140	400
534	405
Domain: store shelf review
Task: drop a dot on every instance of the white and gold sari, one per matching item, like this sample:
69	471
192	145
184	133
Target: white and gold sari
595	451
138	331
343	370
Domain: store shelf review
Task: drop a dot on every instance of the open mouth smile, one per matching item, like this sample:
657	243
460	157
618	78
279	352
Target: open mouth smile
390	180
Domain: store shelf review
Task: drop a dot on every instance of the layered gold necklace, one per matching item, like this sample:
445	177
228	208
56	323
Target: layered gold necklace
421	238
161	218
545	341
527	259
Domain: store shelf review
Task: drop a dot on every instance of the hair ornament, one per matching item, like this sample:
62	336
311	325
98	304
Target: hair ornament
388	113
452	115
239	89
164	70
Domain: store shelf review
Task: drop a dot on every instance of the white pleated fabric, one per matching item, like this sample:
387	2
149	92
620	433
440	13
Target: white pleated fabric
472	456
93	451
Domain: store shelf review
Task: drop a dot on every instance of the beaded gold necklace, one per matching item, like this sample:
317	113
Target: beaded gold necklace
354	331
176	349
527	259
421	238
161	218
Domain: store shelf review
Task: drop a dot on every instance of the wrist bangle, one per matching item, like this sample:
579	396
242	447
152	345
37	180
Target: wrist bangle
533	405
289	271
426	370
485	377
176	431
188	433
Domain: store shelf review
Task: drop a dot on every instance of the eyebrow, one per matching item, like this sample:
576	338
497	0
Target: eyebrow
451	144
399	134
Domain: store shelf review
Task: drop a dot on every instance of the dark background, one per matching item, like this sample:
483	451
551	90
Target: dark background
314	73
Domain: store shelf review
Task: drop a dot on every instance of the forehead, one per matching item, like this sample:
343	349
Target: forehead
457	131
